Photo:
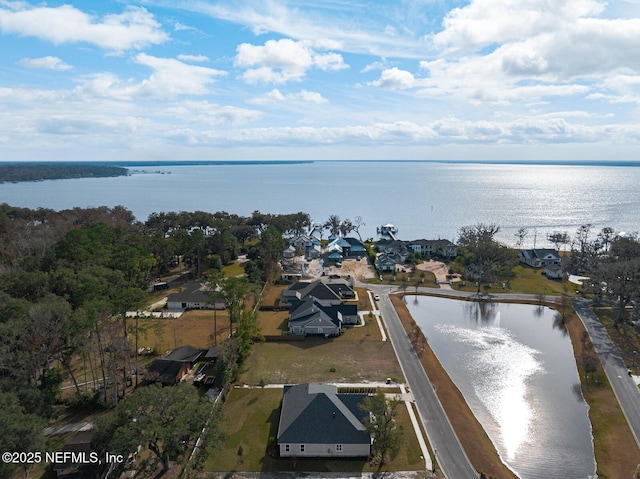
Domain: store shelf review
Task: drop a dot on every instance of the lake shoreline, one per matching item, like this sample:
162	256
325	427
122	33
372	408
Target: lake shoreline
615	450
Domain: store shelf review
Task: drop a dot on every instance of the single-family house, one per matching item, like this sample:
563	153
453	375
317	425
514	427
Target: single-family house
289	252
174	366
309	318
317	421
540	258
312	316
77	445
553	271
385	262
328	291
439	247
313	252
396	248
194	295
346	248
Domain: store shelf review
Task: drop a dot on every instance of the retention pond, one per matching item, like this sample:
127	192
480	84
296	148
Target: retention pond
514	365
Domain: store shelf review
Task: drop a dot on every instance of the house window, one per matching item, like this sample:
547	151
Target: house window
287	448
301	447
338	447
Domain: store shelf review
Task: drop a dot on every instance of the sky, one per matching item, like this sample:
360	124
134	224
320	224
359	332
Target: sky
332	79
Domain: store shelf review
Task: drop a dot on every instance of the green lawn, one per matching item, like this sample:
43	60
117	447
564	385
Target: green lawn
251	424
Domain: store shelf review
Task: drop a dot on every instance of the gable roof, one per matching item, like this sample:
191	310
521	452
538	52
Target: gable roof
186	353
165	370
192	292
317	414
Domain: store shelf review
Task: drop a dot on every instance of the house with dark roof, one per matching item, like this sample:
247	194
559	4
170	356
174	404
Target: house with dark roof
332	291
345	247
174	366
311	316
194	295
540	258
316	421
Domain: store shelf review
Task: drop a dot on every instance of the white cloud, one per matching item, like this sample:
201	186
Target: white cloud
395	79
281	61
48	62
193	58
276	96
170	78
134	28
485	22
347	26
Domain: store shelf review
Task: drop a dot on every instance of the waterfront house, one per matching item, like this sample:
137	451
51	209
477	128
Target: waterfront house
539	258
440	247
317	421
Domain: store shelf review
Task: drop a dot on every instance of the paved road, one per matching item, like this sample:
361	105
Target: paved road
623	385
449	453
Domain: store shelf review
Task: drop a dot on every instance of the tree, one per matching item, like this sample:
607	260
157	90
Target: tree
381	424
166	420
357	223
234	293
333	225
485	259
21	430
521	234
559	238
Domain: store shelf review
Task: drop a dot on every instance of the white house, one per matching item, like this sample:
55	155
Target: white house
539	258
316	421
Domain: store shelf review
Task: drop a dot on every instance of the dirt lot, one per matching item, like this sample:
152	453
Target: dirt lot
360	270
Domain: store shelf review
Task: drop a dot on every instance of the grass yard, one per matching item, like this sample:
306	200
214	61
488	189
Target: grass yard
251	425
193	327
273	323
352	357
271	294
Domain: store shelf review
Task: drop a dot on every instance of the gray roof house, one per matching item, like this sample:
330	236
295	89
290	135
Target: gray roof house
193	296
438	247
316	421
539	258
329	291
311	316
386	262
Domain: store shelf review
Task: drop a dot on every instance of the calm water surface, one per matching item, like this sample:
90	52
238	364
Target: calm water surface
516	370
424	200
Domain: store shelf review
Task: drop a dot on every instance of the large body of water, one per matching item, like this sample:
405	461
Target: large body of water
516	370
424	200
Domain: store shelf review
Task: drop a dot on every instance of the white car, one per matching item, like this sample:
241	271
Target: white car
376	297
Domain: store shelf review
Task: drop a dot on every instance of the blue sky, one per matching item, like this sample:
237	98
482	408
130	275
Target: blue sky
347	79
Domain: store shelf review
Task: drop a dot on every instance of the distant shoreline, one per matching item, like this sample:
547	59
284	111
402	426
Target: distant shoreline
28	171
152	163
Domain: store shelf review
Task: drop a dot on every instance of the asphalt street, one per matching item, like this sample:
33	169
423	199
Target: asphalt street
448	450
449	453
623	385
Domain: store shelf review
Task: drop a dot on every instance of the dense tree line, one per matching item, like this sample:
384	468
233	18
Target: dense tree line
68	277
56	171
